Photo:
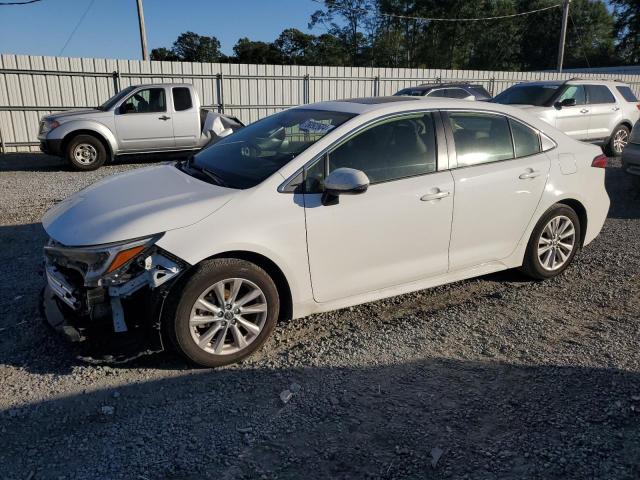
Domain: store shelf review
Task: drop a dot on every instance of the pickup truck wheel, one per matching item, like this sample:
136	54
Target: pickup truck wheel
85	153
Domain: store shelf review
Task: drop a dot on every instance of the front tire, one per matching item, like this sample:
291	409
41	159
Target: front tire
86	153
553	243
617	142
223	313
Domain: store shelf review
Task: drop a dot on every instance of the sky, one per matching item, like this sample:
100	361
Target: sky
110	27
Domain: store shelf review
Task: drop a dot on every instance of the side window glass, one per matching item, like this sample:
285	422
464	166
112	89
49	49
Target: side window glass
437	93
394	149
149	100
457	93
600	94
314	176
480	138
525	139
181	99
574	91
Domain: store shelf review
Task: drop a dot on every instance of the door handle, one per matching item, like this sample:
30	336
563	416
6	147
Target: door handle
584	110
615	109
164	117
529	174
434	196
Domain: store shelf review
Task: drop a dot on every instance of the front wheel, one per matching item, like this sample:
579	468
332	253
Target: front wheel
553	243
86	153
223	313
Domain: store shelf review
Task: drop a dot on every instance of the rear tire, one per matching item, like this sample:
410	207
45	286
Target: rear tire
553	243
213	331
86	153
617	142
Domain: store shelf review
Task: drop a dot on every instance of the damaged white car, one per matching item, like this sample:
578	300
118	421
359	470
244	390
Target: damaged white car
317	208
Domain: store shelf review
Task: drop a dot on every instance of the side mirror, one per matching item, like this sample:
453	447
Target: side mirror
567	102
344	181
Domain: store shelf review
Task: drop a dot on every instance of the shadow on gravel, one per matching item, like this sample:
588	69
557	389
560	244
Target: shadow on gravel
38	162
624	192
489	420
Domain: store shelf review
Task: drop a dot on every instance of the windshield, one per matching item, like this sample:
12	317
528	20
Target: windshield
248	156
538	95
116	98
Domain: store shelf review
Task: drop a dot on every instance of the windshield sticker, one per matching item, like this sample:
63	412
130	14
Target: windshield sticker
312	126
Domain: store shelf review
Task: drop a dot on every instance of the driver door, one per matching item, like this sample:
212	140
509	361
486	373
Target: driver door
398	230
143	123
574	121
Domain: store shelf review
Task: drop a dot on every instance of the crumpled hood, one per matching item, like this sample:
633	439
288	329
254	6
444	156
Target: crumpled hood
133	204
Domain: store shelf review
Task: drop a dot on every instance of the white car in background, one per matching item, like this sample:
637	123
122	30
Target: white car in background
317	208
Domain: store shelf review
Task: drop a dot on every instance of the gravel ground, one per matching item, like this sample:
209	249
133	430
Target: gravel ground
491	378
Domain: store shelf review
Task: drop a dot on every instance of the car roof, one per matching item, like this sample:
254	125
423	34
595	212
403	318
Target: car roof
168	84
576	81
431	86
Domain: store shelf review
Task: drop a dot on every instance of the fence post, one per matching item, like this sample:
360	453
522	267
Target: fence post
376	86
305	89
116	81
219	81
492	86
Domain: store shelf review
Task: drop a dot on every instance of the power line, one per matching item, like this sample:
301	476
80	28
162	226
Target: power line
76	27
470	19
27	2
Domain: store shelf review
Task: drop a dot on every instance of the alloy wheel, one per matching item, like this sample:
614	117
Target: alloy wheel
85	153
620	140
556	242
228	316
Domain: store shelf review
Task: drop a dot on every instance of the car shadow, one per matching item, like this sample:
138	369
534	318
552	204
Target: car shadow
428	418
623	190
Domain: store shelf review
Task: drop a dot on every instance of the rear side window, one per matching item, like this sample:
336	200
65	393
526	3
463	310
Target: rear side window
480	138
599	94
457	93
181	99
627	94
479	91
526	140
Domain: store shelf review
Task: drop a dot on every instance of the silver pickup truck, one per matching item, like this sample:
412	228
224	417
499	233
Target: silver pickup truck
137	120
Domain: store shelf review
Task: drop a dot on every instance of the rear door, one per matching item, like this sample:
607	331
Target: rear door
143	121
605	112
497	185
574	121
186	118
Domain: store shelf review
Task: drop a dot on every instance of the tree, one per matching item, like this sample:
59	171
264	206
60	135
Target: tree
164	54
191	47
248	51
627	26
295	47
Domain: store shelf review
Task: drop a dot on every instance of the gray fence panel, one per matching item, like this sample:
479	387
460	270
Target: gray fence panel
33	86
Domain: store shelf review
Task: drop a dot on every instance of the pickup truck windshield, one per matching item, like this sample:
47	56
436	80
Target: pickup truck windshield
538	95
116	98
250	155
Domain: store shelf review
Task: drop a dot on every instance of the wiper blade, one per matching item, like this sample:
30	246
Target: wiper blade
214	176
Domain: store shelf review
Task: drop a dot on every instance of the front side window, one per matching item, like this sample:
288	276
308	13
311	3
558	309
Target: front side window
457	93
250	155
181	99
538	95
526	140
441	92
397	148
149	100
574	91
480	138
599	94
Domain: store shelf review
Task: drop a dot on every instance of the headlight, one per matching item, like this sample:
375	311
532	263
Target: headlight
48	125
102	262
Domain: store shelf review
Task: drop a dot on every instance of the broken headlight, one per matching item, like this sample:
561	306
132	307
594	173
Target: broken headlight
102	264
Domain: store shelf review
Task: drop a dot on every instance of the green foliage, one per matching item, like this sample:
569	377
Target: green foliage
378	33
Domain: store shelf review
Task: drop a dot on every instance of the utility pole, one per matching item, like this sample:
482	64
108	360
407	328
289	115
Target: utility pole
143	33
563	33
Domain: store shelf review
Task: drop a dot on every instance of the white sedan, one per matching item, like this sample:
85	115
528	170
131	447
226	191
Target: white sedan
316	208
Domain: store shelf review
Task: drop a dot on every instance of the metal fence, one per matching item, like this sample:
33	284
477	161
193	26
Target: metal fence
33	86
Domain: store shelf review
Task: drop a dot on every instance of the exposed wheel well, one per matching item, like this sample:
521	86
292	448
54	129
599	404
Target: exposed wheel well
627	124
284	291
582	215
70	136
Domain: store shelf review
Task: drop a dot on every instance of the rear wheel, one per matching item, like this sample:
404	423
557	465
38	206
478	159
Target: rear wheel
553	243
224	312
85	153
617	142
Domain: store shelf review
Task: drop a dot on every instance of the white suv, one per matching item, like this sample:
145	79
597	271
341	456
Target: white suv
597	111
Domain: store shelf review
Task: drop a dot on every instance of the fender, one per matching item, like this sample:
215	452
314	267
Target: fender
68	128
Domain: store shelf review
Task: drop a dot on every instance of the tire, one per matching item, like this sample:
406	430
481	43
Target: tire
187	319
541	266
619	138
86	153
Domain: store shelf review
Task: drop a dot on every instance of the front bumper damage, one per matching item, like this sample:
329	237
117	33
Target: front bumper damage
111	323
